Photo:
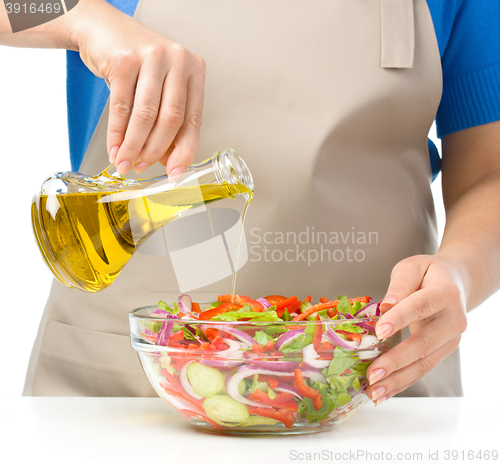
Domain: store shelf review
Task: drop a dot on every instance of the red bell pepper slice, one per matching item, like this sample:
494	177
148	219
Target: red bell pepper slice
213	334
195	307
182	395
283	415
306	390
176	337
295	306
332	313
330	304
221	309
282	400
318	333
326	347
188	414
241	300
286	303
355	337
269	345
258	348
275	299
263	397
273	382
307	299
324	299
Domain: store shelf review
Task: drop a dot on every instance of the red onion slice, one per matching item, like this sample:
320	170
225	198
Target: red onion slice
232	382
264	303
148	332
279	366
164	333
314	374
233	347
311	358
338	341
185	303
368	310
185	382
369	328
287	337
240	335
283	387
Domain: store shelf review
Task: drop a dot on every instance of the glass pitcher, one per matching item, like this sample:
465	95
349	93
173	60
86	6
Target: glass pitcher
87	228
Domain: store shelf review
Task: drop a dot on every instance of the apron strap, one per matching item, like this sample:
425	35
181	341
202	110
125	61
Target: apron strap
397	33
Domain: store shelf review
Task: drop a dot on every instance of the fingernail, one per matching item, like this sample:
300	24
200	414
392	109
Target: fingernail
376	375
112	153
377	393
381	400
387	302
124	167
139	167
384	331
177	171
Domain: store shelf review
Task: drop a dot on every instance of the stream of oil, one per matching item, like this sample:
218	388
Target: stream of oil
235	271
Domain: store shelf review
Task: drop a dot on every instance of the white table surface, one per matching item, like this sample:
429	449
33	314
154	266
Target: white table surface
146	430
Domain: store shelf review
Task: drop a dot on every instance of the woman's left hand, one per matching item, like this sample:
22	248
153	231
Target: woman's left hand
426	294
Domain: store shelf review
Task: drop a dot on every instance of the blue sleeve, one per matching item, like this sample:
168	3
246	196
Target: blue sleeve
469	36
86	97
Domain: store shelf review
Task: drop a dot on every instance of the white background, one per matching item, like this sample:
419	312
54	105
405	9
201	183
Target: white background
34	144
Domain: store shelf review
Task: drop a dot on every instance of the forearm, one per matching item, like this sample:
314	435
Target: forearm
62	32
471	239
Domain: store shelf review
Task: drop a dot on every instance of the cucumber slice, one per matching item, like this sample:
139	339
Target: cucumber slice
225	411
258	420
242	386
205	380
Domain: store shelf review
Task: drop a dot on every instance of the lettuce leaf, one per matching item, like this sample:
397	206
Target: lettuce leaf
166	307
340	362
322	413
300	342
348	328
261	337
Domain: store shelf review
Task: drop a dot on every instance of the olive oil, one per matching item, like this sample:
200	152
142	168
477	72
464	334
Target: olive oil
87	237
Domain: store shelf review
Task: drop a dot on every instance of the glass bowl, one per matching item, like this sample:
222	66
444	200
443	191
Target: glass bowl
241	383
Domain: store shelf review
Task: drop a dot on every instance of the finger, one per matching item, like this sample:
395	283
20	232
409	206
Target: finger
144	115
385	397
420	344
187	140
170	119
406	278
121	101
408	375
164	158
419	306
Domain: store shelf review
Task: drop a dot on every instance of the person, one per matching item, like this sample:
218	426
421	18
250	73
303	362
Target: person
331	105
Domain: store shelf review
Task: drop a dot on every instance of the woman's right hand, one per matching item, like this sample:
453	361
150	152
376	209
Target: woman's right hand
156	88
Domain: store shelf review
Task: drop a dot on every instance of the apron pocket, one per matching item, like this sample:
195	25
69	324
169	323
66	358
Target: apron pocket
81	362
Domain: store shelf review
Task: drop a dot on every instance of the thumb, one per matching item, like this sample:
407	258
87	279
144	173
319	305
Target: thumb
406	278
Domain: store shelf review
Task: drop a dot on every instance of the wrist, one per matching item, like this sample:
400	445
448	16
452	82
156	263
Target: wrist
457	260
78	23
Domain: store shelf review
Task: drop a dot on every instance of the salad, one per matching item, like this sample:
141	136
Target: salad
272	361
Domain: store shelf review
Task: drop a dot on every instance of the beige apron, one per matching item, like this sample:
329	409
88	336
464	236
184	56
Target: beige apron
330	104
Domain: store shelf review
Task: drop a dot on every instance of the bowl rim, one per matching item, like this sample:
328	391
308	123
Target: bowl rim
134	316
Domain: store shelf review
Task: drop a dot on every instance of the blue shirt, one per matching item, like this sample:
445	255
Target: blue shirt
468	36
